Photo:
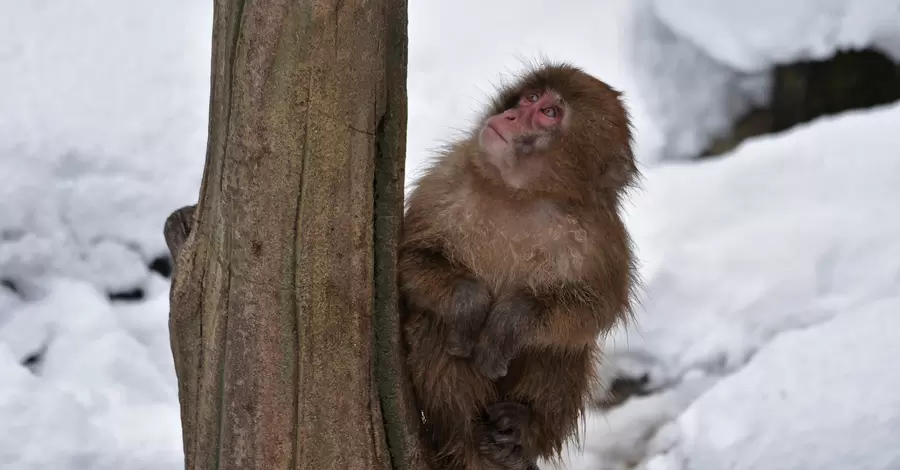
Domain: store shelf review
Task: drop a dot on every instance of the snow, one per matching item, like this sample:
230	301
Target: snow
754	36
104	394
771	273
103	133
699	64
843	412
690	96
786	231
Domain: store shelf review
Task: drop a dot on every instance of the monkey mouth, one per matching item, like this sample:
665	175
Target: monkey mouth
491	127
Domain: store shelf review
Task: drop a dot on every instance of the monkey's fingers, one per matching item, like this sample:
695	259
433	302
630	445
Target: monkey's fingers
459	345
469	305
491	360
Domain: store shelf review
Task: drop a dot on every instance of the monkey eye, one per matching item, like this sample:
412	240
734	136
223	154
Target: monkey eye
532	97
551	112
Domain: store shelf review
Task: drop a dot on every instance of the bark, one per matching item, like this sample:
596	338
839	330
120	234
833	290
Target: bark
283	323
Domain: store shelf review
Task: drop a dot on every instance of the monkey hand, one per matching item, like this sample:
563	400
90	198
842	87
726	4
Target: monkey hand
504	333
469	305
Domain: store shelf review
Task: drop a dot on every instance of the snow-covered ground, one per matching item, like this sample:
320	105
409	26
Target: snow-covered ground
772	274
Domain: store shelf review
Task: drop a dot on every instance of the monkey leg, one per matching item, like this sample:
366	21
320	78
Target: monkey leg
451	392
545	397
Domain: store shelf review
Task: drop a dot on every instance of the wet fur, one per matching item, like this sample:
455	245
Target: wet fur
507	288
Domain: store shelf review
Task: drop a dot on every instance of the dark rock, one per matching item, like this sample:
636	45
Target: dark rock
804	91
163	265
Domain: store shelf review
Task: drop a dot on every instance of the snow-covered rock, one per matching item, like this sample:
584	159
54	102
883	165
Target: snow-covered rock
701	64
754	36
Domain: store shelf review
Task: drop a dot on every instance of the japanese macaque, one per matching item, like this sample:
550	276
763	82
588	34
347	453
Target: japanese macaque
514	259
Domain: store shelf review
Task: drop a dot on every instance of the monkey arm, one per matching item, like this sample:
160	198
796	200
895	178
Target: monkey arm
568	317
432	283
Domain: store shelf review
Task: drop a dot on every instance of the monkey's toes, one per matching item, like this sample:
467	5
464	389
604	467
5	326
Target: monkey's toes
502	447
504	428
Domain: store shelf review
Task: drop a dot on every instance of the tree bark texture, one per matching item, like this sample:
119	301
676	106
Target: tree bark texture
284	323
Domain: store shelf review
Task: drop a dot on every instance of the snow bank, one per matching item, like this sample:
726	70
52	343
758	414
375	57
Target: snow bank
754	36
99	391
103	133
692	98
824	398
769	310
700	64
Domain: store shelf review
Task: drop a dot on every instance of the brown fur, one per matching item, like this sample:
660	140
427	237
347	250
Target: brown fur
506	287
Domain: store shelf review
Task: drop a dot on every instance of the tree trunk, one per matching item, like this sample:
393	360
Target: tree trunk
284	323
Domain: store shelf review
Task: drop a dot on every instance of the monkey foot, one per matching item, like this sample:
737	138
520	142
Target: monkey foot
503	435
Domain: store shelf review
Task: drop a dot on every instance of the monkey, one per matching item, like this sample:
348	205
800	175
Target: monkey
513	259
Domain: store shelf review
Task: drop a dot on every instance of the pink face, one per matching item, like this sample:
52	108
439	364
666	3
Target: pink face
519	132
537	114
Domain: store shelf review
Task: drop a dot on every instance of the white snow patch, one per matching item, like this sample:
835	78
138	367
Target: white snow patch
103	132
824	398
619	439
96	399
754	36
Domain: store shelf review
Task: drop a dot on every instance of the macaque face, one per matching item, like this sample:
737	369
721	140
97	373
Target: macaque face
513	140
525	128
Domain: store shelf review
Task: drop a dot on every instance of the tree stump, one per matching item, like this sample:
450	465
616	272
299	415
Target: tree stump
284	324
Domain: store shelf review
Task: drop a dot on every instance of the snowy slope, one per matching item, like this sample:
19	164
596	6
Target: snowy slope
762	268
823	398
102	132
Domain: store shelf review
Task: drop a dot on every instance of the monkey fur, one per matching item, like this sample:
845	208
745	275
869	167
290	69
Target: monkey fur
513	260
